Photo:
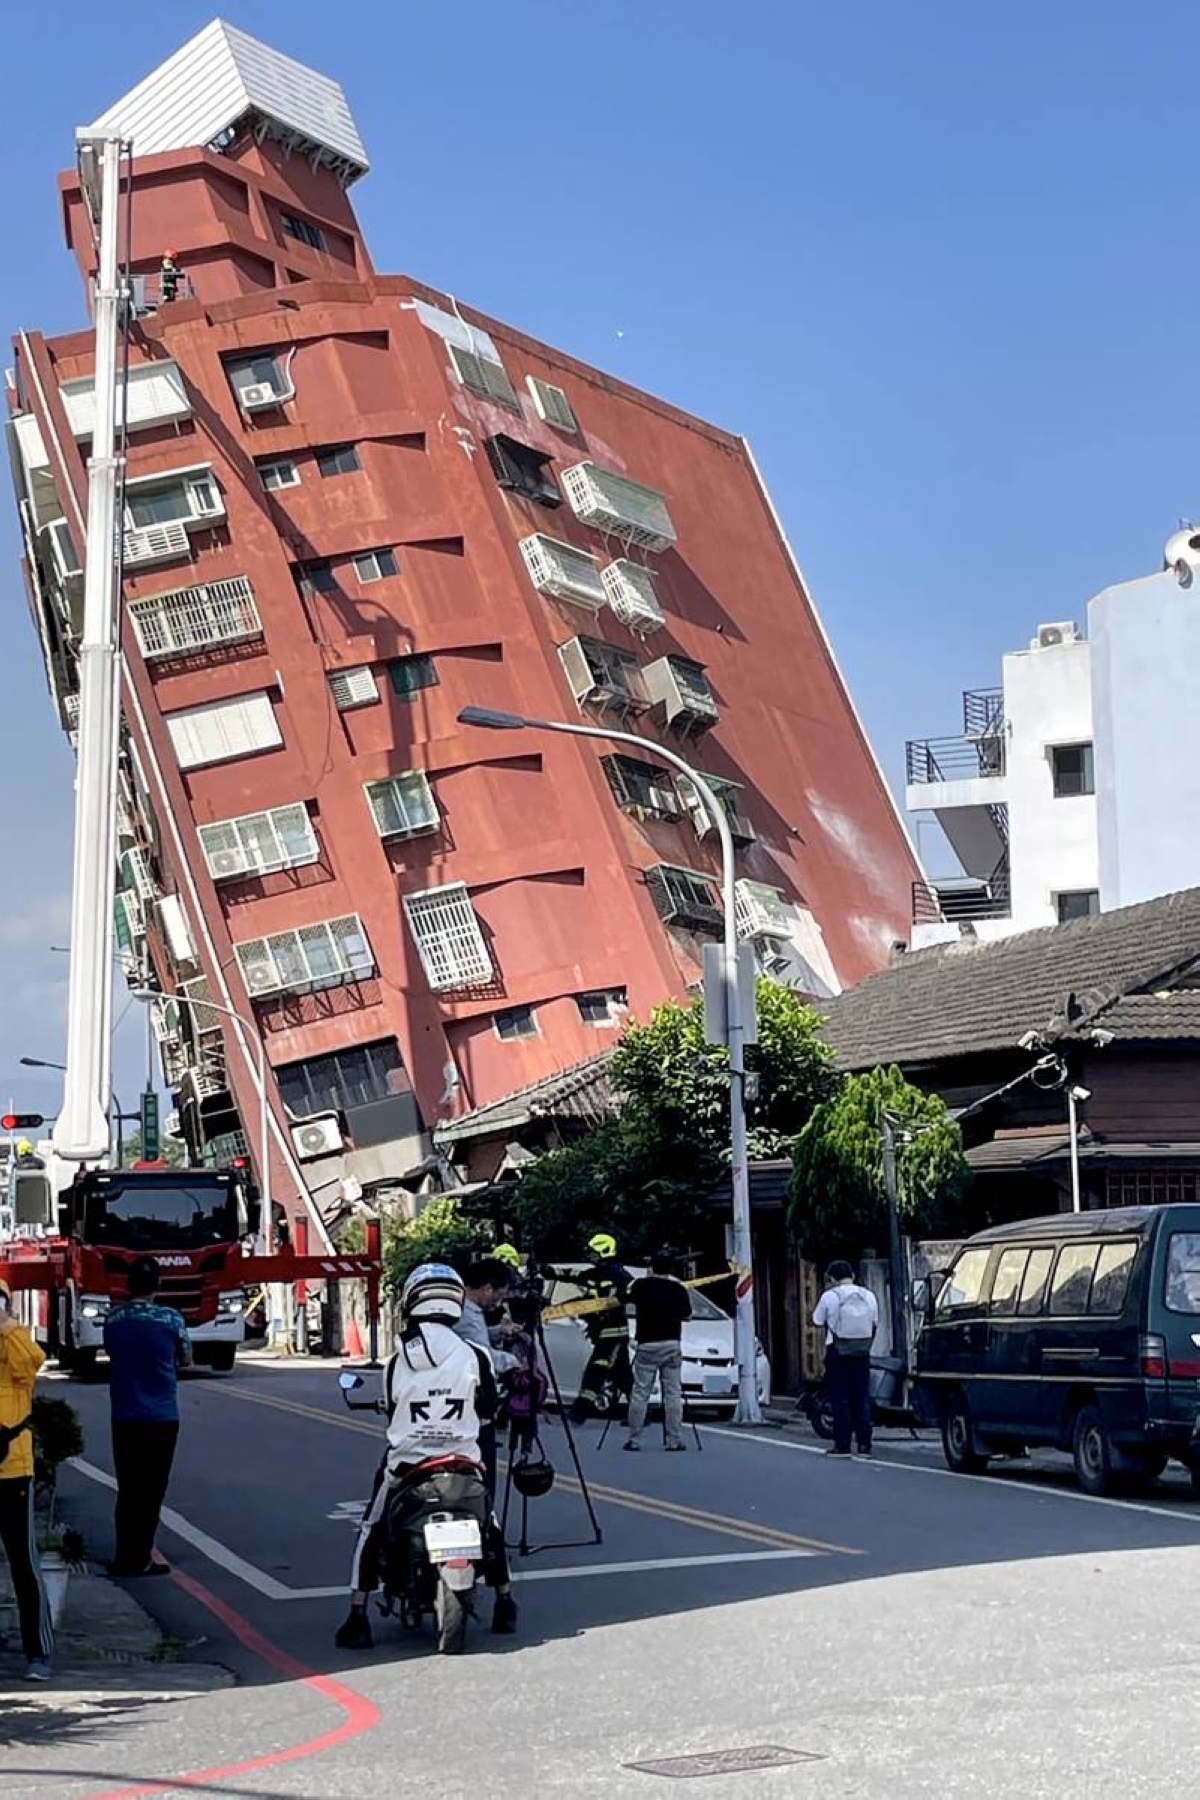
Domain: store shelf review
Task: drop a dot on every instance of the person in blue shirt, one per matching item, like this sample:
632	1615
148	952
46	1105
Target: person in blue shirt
147	1345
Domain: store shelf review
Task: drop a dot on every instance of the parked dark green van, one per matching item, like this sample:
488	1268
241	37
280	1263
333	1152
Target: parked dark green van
1081	1330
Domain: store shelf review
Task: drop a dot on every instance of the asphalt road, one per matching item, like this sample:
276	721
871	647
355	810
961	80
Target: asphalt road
910	1631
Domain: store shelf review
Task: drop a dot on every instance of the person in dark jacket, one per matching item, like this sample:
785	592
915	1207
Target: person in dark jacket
606	1378
660	1306
147	1345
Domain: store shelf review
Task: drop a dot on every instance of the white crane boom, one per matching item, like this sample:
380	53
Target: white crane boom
81	1133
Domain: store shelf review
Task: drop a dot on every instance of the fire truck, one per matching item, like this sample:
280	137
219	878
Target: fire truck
70	1223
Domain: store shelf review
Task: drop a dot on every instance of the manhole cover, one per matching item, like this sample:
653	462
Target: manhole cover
725	1762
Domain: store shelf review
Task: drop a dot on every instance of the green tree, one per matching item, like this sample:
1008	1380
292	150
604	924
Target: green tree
173	1151
838	1201
646	1174
439	1233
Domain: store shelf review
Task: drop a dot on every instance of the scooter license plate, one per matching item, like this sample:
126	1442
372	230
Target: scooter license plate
448	1540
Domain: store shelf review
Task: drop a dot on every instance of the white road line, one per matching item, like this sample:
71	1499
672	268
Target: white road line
271	1589
1011	1484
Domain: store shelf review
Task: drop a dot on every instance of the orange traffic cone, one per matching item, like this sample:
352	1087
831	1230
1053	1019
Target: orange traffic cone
354	1343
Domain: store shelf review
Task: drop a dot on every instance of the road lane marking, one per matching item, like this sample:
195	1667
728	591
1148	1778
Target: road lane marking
1012	1483
273	1589
674	1511
359	1714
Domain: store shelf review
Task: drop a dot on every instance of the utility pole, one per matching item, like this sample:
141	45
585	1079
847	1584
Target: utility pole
896	1264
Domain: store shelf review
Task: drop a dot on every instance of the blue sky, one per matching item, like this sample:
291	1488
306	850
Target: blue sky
937	261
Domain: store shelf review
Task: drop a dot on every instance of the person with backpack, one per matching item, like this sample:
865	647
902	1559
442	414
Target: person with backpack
850	1317
438	1391
20	1360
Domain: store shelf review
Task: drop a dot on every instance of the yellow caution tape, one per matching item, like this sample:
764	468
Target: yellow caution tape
578	1309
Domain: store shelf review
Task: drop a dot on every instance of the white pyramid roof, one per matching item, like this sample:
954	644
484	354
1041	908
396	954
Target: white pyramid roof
219	77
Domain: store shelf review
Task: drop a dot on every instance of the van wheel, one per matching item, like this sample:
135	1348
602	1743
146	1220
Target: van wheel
1193	1469
1100	1468
1149	1467
958	1438
222	1357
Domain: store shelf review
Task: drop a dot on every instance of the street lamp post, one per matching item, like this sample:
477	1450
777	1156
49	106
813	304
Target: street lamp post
117	1110
748	1412
267	1228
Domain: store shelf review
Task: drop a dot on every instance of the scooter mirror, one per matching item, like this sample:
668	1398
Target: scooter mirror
348	1381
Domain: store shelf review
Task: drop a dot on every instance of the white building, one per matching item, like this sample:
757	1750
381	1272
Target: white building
1075	787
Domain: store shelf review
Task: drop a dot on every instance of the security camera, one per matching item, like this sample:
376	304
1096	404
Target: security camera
1030	1041
1081	1093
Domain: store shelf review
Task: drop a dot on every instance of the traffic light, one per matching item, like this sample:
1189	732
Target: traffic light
22	1121
151	1136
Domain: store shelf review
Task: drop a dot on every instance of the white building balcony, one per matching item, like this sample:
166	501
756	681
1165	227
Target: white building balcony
964	781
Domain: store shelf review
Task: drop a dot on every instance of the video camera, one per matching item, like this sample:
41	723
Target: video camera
527	1298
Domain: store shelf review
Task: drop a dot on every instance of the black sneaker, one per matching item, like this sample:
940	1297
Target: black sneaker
504	1615
862	1450
844	1454
354	1633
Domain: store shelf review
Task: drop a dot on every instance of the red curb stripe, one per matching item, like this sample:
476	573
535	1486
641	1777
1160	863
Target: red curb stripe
361	1715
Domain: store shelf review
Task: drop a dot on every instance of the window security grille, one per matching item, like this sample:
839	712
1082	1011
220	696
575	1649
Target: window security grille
613	503
197	1010
448	939
353	687
761	911
137	876
227	729
562	570
684	898
259	843
193	618
632	597
403	805
303	230
642	788
551	404
329	954
483	376
602	675
682	688
730	795
343	1079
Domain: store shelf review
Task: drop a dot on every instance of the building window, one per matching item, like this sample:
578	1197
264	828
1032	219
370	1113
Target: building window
227	729
448	939
683	897
1080	903
259	843
259	381
551	404
409	674
280	472
353	687
484	376
338	459
303	230
522	469
515	1022
329	954
731	796
603	676
375	565
603	1006
1152	1187
1073	769
316	577
403	805
193	618
343	1080
761	911
642	788
169	499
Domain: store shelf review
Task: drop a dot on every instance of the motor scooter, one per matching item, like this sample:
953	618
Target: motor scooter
890	1403
434	1524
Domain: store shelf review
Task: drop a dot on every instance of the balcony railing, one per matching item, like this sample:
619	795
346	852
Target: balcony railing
954	759
983	712
961	899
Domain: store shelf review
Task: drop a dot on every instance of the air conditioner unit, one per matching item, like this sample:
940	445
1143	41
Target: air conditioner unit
261	978
321	1136
224	863
1050	636
258	396
62	549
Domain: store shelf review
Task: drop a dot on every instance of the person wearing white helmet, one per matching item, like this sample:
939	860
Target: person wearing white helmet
438	1389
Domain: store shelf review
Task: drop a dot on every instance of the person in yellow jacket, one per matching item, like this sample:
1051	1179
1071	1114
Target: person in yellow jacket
20	1360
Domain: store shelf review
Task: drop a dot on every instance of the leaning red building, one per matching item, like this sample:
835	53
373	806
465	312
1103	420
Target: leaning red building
352	507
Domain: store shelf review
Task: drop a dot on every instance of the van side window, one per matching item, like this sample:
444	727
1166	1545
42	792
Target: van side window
1183	1272
1110	1283
1072	1278
1033	1287
964	1284
1006	1282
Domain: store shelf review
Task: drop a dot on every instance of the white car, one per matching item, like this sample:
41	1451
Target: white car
709	1363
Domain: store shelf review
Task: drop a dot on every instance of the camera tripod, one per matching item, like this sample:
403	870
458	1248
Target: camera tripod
688	1418
524	1434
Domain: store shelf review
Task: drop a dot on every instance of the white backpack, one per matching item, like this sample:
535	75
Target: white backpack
854	1326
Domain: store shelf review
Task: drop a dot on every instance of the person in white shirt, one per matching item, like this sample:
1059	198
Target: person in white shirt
850	1316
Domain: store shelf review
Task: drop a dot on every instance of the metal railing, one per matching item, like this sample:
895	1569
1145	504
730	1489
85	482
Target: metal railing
962	898
953	758
983	712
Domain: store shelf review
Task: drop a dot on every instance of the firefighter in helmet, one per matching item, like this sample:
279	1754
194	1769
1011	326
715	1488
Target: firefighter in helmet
168	278
606	1380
